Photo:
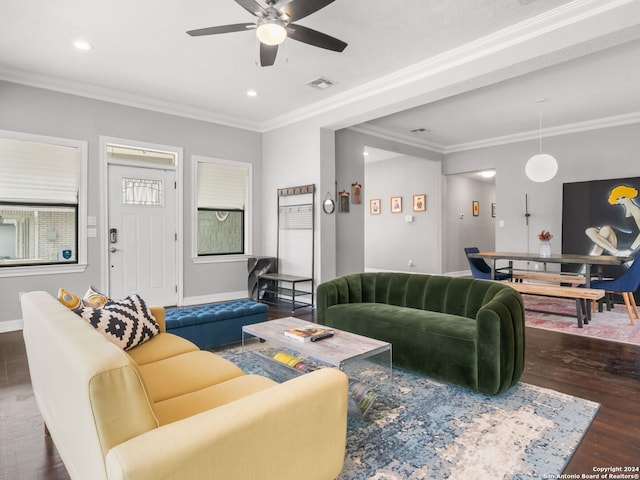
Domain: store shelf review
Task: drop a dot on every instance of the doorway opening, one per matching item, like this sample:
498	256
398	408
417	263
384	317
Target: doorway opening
470	218
402	212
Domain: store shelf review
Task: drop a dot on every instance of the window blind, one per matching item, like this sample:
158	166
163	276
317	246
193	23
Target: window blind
38	172
222	186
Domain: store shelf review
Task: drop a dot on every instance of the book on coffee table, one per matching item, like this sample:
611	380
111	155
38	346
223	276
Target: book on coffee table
307	334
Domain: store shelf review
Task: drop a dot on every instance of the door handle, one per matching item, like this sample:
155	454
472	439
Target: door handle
114	250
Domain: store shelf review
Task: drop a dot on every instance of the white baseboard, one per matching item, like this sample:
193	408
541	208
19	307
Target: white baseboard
382	270
11	325
462	273
213	298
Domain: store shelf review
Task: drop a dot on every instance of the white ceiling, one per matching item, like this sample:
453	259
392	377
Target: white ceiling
143	57
599	86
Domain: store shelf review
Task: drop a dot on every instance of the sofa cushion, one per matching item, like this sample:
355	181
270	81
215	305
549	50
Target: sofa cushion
440	345
368	319
183	406
186	373
127	323
163	345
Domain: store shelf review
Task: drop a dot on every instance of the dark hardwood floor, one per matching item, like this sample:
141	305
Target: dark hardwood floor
605	372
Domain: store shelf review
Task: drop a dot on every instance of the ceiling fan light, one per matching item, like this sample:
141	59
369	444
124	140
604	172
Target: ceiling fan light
271	33
541	168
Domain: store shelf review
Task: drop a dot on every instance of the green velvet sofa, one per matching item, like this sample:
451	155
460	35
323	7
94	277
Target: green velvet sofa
462	331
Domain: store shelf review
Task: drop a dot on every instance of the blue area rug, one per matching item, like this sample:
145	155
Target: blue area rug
422	429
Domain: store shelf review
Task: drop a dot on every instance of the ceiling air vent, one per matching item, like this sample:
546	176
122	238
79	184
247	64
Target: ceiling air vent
321	83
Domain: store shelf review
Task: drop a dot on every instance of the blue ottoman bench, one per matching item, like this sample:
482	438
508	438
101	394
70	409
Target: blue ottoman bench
215	324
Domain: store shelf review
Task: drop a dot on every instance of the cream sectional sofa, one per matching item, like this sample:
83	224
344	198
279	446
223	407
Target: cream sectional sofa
167	410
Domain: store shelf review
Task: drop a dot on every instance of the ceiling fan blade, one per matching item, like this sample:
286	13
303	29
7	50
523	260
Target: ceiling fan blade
251	6
268	54
298	9
315	38
236	27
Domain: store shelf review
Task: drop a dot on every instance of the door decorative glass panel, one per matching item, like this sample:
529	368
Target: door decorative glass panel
140	191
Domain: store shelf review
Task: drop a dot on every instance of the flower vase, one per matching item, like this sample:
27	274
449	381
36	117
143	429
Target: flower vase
545	248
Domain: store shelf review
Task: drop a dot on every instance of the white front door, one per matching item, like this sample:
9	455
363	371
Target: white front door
142	234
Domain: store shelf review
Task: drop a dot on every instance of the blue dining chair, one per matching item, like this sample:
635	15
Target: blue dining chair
625	284
480	268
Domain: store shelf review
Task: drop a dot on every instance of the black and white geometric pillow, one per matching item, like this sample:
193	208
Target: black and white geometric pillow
127	323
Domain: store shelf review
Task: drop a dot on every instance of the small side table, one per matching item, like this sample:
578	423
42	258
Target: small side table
273	286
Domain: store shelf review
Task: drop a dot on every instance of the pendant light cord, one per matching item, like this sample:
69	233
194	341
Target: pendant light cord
540	126
540	102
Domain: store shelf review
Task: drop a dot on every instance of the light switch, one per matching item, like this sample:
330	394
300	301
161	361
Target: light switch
92	221
92	232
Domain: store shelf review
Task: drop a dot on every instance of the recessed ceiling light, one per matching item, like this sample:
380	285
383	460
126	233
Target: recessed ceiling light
252	93
487	173
82	45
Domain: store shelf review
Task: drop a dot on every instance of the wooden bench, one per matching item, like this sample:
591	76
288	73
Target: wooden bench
550	277
581	295
559	278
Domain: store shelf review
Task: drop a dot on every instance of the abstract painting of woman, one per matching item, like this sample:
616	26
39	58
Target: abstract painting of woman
618	240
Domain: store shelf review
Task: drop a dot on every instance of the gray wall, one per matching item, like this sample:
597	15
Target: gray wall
591	155
390	242
349	165
43	112
468	231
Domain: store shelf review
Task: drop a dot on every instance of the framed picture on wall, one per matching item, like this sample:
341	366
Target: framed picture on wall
343	206
476	208
356	190
396	204
419	202
374	206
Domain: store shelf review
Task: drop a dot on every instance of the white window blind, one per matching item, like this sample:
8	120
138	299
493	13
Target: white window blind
222	186
38	172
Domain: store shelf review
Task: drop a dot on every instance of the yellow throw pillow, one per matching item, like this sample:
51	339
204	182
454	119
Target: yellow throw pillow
69	299
94	299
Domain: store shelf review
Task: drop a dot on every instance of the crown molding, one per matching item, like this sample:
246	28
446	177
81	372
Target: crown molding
549	21
571	128
568	129
114	96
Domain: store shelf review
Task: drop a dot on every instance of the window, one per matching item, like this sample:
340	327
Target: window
32	234
41	202
221	198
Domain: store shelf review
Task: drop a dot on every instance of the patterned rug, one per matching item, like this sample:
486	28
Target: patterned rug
607	325
418	428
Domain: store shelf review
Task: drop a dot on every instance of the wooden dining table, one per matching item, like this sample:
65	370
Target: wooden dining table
589	261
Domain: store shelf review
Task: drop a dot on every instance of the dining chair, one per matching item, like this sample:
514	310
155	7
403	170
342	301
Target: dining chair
480	268
625	284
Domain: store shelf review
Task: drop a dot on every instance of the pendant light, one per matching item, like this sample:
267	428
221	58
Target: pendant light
542	167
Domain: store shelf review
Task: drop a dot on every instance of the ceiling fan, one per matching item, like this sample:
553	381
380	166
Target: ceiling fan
274	25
